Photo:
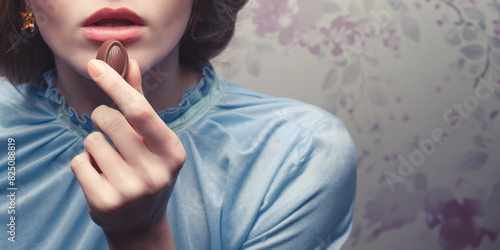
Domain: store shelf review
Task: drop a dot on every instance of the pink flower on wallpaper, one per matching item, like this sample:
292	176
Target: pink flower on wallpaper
277	16
458	227
497	26
341	33
392	42
392	210
312	40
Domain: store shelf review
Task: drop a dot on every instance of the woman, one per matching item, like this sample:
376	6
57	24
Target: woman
249	170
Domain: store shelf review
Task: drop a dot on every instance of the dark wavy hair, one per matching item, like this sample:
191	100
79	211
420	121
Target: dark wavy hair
24	56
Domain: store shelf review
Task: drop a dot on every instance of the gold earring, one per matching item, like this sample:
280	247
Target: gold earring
28	19
195	15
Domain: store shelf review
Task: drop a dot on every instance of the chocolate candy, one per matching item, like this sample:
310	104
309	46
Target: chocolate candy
113	53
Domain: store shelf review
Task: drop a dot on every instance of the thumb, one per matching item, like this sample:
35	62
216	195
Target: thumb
134	76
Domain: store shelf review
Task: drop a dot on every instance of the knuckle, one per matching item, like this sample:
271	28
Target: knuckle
113	122
160	176
93	140
107	118
108	205
157	183
133	189
155	177
177	156
178	161
76	162
98	112
140	112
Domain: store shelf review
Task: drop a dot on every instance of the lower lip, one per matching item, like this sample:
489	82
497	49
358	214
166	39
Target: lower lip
120	33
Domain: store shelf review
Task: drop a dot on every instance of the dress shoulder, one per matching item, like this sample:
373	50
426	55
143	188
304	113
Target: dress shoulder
306	170
238	98
18	95
22	104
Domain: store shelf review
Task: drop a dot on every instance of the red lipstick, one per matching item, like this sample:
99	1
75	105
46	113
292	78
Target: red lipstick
121	24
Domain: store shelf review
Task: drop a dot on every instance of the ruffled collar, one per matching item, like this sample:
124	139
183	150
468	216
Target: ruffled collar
190	97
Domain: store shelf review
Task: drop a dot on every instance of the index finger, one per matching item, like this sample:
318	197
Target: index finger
133	105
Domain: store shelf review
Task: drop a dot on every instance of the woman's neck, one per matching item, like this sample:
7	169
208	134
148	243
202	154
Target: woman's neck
163	85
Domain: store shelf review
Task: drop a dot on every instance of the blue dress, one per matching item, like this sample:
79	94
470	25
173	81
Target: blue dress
261	172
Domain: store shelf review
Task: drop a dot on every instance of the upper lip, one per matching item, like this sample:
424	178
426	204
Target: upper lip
118	14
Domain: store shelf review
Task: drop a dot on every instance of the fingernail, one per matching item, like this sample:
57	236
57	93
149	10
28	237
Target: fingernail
96	68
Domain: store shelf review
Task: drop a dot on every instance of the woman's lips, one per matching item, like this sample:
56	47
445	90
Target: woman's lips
120	33
121	24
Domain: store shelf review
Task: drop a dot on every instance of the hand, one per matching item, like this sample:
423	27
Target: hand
127	189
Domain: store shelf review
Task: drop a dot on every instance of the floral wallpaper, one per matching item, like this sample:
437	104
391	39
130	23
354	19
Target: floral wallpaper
417	83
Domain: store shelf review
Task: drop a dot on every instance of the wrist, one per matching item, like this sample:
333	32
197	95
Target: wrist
158	236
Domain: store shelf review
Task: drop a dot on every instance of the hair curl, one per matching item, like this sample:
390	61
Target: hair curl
210	34
25	56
